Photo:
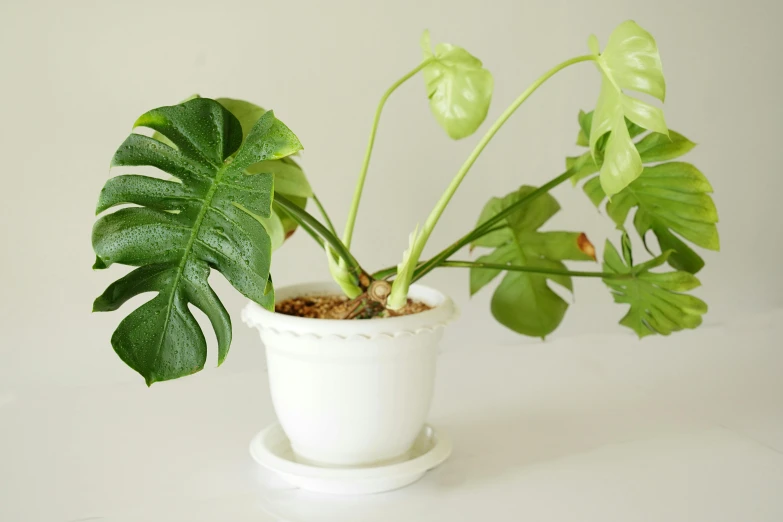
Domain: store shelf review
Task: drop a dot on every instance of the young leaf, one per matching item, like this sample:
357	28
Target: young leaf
399	292
592	160
662	208
212	228
629	61
657	302
247	113
523	301
458	87
341	275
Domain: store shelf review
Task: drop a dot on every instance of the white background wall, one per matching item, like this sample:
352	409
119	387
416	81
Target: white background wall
76	74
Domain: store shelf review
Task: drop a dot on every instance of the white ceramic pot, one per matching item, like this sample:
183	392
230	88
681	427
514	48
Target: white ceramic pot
351	393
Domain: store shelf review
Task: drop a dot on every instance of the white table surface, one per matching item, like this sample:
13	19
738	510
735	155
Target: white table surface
584	429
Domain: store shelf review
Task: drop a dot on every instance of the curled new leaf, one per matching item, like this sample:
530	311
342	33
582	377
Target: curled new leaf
399	292
523	301
630	61
458	86
341	275
658	302
180	230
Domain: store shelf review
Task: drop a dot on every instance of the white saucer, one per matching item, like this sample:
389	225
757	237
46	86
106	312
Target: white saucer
271	449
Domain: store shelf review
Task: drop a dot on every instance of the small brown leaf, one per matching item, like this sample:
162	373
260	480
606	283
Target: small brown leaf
585	245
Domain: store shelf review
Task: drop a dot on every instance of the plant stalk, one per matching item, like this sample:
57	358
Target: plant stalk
432	219
308	220
487	226
535	270
357	195
322	210
310	232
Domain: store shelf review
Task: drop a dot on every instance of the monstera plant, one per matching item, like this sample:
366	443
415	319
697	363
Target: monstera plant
233	194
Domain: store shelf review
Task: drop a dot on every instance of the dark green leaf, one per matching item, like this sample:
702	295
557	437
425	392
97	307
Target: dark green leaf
146	191
211	228
290	179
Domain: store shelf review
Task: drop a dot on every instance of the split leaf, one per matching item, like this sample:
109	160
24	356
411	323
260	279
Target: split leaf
180	230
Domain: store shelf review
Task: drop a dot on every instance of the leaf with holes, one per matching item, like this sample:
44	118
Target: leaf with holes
290	179
180	230
658	302
630	61
673	201
523	301
458	86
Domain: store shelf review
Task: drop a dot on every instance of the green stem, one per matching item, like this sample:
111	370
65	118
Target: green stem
357	195
488	226
389	271
318	239
322	210
305	218
535	270
432	219
384	273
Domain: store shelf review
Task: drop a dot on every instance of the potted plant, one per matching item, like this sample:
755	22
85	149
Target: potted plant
352	363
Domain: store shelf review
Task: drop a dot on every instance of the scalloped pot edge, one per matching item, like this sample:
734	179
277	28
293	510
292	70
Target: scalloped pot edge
352	393
443	311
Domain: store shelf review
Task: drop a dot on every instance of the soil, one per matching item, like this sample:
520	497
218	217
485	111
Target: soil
337	307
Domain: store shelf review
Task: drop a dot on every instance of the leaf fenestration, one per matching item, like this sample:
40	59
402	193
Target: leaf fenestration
523	301
175	251
658	302
671	199
630	61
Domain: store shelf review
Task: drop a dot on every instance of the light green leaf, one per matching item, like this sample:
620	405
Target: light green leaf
664	220
523	301
590	162
175	251
658	304
630	61
273	226
290	180
658	147
247	113
458	87
585	167
671	199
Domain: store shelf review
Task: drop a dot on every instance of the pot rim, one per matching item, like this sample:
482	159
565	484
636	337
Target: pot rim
443	312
